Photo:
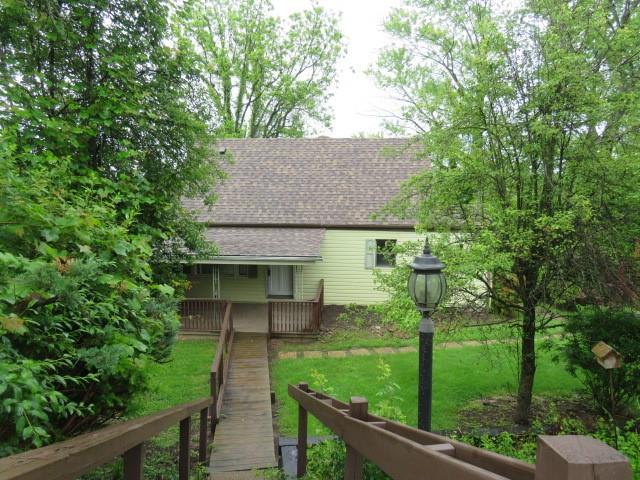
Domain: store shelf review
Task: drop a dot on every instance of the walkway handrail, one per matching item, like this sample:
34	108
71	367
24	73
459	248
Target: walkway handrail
408	453
220	365
81	454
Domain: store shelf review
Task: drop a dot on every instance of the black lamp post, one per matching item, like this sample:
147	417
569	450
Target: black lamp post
427	286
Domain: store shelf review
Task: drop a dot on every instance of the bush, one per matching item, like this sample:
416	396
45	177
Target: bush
79	314
621	330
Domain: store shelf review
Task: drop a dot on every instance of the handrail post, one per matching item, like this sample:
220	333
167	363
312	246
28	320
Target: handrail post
134	463
358	408
302	435
213	380
183	452
576	457
202	439
270	316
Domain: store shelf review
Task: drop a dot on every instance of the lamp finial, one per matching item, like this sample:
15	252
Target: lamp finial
426	250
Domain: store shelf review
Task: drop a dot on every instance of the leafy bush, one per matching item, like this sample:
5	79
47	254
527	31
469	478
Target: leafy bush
79	314
619	329
523	447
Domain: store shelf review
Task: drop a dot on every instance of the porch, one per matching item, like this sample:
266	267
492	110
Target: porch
280	315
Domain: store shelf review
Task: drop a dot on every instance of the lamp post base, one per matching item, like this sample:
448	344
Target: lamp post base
425	386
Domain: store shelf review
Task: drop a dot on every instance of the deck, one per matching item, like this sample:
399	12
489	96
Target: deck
244	435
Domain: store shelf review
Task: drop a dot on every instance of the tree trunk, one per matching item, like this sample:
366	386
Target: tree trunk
527	365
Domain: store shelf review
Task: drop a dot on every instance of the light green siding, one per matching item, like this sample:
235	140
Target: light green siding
201	286
245	289
346	280
234	289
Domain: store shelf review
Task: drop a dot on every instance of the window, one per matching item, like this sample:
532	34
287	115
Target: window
385	255
239	271
204	269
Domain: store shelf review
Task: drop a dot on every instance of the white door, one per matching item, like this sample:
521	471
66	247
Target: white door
280	282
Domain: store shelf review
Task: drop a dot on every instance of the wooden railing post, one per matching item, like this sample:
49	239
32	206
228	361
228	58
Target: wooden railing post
134	463
202	440
183	452
302	435
270	316
576	457
213	380
358	408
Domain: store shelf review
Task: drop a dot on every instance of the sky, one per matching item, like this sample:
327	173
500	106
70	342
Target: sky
357	103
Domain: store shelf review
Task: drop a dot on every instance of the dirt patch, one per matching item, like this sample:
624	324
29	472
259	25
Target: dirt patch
546	413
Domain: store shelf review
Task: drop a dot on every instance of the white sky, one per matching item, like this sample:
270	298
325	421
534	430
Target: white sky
357	103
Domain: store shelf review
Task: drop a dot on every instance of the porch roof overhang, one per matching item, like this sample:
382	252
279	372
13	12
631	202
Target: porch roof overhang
265	245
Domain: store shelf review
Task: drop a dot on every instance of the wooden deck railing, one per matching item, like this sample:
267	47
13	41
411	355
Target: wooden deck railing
201	314
79	455
407	453
296	317
220	365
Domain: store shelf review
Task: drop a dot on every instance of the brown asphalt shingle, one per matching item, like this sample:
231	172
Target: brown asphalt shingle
265	241
309	182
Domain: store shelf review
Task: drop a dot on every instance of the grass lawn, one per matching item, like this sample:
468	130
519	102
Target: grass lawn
183	378
460	375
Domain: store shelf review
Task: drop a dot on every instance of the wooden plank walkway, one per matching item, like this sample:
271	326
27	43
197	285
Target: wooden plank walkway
244	435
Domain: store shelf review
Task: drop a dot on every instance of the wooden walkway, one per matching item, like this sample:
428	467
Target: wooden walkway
244	435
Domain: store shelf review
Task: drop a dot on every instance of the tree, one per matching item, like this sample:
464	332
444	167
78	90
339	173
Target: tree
101	134
98	83
80	316
265	77
529	119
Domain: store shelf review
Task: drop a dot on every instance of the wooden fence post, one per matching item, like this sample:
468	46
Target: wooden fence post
134	463
358	408
202	440
302	435
213	380
183	452
576	457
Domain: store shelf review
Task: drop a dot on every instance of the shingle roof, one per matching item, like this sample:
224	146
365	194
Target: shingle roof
267	242
304	182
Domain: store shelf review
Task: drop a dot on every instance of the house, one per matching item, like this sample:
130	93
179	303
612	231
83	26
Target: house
294	228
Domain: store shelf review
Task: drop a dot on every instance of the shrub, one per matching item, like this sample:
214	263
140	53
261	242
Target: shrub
619	329
79	314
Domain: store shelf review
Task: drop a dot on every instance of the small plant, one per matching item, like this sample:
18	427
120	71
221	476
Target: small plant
389	405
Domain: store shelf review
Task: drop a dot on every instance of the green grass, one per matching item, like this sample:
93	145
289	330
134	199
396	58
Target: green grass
460	375
367	338
183	378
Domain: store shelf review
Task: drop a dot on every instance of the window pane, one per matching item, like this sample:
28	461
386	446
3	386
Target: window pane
385	257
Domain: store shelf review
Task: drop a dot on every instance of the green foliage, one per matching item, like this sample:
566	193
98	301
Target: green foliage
530	121
621	330
326	461
264	76
399	308
388	398
80	316
523	447
95	83
101	134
